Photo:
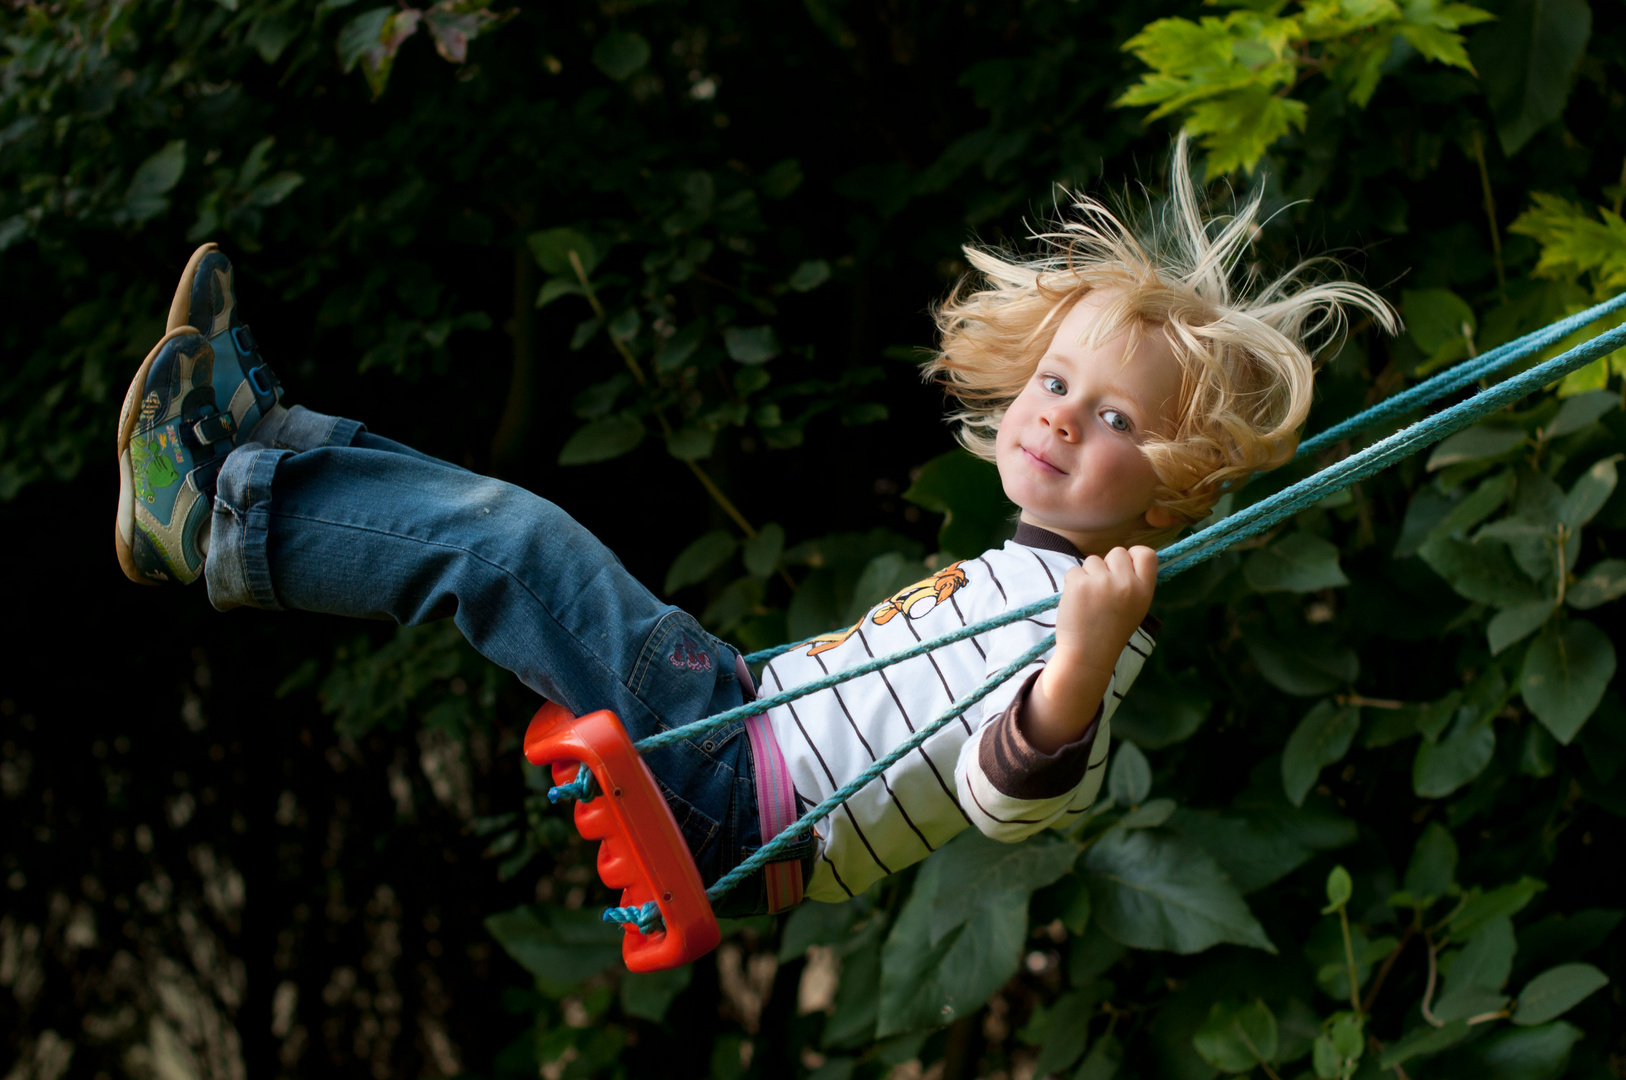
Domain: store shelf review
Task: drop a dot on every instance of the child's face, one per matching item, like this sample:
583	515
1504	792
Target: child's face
1068	449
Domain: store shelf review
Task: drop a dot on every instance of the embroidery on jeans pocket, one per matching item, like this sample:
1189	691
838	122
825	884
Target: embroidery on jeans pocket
685	657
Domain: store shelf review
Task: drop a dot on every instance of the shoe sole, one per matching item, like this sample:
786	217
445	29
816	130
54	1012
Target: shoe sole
129	416
182	303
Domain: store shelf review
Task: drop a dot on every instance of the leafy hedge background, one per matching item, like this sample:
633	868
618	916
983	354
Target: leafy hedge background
669	264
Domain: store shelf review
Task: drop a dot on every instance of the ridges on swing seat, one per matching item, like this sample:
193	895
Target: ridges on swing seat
641	852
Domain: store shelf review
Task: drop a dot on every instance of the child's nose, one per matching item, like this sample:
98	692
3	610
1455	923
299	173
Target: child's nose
1061	420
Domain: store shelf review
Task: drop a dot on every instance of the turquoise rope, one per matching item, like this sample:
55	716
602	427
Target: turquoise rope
581	789
647	918
1460	375
1196	549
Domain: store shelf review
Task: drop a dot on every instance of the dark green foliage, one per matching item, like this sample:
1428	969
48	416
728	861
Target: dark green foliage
669	266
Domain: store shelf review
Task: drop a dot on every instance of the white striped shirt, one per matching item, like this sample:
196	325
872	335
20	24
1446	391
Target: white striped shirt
929	796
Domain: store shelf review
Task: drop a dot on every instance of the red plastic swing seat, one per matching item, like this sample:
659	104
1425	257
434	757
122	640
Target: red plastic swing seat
641	852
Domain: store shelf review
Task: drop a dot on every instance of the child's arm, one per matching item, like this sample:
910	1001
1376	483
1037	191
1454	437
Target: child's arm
1102	602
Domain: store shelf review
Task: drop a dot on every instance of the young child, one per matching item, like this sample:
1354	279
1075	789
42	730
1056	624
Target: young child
1118	385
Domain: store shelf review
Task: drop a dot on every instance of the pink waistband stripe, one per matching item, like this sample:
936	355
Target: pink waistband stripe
776	802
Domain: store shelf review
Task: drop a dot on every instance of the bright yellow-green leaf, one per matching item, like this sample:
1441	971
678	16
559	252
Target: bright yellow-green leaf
1237	129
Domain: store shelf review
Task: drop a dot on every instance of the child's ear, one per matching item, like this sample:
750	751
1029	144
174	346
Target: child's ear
1161	517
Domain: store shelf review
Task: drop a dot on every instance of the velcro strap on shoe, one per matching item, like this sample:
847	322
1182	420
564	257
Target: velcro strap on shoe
263	382
244	339
214	427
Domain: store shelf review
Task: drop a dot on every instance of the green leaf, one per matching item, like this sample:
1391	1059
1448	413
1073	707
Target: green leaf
1103	1060
762	551
1579	411
1526	62
810	275
360	34
1475	444
1604	581
1161	711
145	198
1488	957
691	442
696	562
1480	909
1340	888
1433	865
1538	1053
985	872
952	947
1236	1039
750	345
1322	738
552	247
1423	1040
603	439
1435	319
560	946
1477	972
1148	815
1444	766
673	352
1262	838
967	491
620	53
1513	624
782	179
1064	1029
1299	562
1152	890
1556	991
647	995
1129	780
1308	665
1565	673
1589	494
1483	571
554	288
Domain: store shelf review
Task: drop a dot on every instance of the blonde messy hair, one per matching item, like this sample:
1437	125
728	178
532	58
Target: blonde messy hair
1246	349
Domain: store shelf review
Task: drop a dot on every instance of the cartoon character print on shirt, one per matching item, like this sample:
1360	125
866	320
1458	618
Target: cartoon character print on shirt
912	602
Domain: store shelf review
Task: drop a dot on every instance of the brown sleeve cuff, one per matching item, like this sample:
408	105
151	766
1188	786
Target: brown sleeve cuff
1020	771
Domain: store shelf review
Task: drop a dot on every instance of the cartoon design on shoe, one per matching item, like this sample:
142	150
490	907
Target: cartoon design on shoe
246	389
172	439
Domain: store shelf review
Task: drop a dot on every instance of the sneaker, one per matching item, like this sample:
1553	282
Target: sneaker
173	438
206	300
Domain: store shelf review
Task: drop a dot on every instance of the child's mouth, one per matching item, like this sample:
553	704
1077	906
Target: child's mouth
1041	464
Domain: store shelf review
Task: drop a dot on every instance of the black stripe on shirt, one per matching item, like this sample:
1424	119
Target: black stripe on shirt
831	777
1046	568
1002	821
961	614
871	752
995	579
921	749
940	676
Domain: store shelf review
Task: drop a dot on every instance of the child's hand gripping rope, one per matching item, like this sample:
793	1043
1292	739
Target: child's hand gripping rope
1102	601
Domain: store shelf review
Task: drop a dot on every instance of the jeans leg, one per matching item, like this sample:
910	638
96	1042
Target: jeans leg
376	530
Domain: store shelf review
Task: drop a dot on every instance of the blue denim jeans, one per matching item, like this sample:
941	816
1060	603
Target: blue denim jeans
318	514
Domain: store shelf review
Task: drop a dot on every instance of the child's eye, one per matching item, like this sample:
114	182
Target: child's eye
1052	385
1116	420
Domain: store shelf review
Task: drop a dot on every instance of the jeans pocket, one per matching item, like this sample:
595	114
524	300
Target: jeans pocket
678	671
